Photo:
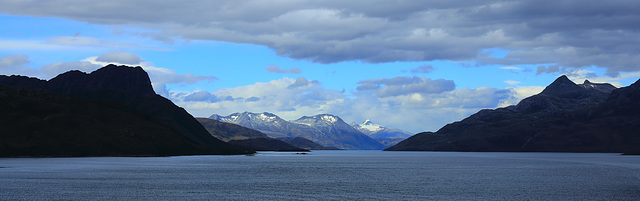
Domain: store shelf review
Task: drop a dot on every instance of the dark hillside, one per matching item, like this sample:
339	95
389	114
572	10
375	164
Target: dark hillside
87	108
565	117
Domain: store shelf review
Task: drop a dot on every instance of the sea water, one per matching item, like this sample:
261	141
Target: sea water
327	175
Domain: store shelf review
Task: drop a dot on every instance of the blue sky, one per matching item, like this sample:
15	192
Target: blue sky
413	65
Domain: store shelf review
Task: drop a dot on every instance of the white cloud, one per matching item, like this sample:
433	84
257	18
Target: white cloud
519	93
418	112
120	57
15	64
84	41
511	68
13	60
252	99
511	82
204	96
158	36
29	45
78	41
276	69
275	96
51	70
424	69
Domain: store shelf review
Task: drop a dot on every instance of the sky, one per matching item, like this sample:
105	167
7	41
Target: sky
413	65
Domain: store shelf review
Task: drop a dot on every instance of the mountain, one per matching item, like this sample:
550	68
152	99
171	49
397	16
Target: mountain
245	137
80	114
267	123
384	135
326	130
334	128
564	117
602	87
228	131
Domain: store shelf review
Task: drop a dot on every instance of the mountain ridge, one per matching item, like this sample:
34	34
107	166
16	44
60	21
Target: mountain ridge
127	87
385	135
246	137
324	129
565	117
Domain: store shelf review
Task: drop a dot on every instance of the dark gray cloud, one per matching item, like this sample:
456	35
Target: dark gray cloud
548	69
120	57
569	33
396	86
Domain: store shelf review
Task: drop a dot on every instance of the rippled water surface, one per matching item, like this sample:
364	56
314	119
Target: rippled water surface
328	175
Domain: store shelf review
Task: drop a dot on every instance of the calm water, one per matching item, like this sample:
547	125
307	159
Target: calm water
328	175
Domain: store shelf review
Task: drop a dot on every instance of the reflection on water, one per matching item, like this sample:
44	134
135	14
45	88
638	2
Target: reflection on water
333	175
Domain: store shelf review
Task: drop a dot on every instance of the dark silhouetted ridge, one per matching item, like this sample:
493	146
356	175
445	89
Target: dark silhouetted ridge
562	85
88	108
109	78
601	87
565	117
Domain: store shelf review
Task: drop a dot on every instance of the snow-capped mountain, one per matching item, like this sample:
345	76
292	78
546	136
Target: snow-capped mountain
386	136
258	121
324	121
367	127
327	130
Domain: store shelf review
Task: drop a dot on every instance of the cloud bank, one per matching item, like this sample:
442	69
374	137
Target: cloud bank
412	103
569	33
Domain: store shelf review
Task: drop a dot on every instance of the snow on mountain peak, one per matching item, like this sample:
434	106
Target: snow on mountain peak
367	122
370	126
266	117
234	117
329	118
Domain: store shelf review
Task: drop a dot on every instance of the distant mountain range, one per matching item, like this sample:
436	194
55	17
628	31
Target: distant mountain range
385	135
245	137
324	129
564	117
111	111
